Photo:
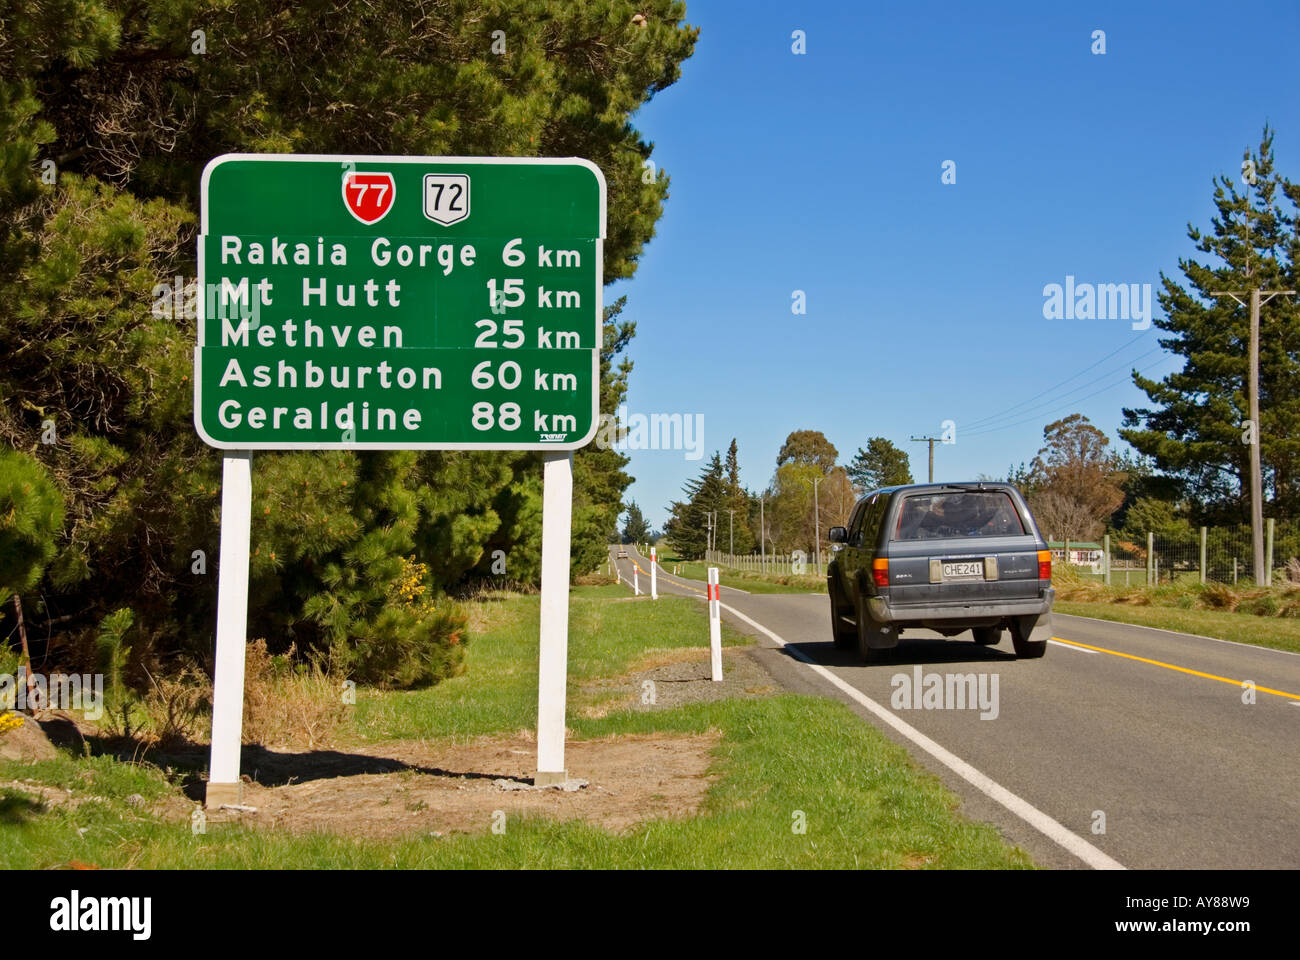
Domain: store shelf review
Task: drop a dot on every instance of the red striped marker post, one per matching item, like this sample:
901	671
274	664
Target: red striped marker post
715	625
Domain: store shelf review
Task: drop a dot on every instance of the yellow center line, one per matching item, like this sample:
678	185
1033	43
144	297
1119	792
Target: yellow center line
683	583
1170	666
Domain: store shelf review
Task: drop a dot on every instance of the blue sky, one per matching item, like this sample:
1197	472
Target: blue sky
822	172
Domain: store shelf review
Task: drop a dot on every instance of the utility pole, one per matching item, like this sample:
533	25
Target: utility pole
817	529
762	535
731	533
931	441
817	524
1263	577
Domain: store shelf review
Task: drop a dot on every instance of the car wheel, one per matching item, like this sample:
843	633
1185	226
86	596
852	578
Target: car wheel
1026	649
868	653
987	636
843	635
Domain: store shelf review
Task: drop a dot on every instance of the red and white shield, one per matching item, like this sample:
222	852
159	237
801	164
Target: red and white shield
368	196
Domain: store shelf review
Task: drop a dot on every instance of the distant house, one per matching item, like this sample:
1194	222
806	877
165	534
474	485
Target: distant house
1082	554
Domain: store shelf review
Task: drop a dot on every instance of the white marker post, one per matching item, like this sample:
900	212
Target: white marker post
224	785
636	579
553	657
654	576
715	625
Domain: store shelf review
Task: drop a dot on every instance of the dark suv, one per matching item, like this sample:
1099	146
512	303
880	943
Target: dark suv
949	557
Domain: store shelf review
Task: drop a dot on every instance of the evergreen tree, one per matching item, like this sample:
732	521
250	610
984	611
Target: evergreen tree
687	527
1194	429
635	530
881	464
733	466
599	480
108	114
31	517
734	531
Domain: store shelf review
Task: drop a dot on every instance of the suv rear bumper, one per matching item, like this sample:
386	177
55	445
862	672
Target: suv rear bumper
883	612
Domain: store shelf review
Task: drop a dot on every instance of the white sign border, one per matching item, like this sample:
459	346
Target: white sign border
342	159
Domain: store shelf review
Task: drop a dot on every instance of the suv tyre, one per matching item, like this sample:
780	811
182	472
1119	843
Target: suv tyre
1026	649
868	653
845	636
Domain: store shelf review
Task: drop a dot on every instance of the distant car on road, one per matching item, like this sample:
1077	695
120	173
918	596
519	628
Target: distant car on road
622	554
949	557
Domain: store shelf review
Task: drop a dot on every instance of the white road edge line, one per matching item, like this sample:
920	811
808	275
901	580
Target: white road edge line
1026	811
1070	646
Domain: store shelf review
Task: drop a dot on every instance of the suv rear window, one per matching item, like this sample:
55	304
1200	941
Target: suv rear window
983	513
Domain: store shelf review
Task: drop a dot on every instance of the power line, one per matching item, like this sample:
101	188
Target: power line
998	416
1042	413
990	422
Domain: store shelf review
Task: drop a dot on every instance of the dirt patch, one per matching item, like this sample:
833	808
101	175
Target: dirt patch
441	788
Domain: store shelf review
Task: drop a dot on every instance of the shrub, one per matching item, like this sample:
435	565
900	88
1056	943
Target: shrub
288	703
1266	605
415	640
31	517
1219	596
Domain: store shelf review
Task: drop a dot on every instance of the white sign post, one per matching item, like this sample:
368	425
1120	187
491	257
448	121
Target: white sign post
715	625
553	658
654	575
224	785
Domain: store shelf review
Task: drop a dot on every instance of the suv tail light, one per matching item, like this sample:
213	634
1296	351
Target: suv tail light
880	571
1044	564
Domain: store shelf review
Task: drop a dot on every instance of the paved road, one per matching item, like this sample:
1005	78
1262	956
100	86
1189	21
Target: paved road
1146	726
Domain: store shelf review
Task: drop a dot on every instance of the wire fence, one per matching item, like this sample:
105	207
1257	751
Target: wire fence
1207	555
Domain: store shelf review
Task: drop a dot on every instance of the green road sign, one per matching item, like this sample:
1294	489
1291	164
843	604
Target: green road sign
354	302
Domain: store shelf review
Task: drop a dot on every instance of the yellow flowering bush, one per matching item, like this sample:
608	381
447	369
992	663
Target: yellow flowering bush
9	721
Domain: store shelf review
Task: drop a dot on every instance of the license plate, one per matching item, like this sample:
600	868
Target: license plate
963	570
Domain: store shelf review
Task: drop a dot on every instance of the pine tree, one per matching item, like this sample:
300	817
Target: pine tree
734	531
881	464
687	527
635	530
733	466
110	101
1194	430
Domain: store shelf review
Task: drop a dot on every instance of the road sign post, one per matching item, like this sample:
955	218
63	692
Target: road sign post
396	303
553	656
715	625
224	785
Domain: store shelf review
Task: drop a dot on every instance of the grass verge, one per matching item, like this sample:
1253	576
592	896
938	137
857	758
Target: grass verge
1245	614
799	781
1261	631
